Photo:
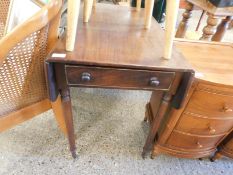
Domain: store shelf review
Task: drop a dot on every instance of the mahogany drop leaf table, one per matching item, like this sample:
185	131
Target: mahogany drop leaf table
114	50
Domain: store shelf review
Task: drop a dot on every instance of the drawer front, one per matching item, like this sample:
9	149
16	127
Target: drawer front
211	105
118	78
203	126
184	141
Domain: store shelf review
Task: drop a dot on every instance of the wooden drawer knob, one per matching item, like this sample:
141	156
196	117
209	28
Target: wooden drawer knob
154	81
86	77
212	130
199	145
226	109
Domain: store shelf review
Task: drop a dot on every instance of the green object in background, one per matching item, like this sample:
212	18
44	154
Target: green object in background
46	1
158	11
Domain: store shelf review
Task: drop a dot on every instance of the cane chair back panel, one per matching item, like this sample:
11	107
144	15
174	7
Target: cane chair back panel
22	77
4	9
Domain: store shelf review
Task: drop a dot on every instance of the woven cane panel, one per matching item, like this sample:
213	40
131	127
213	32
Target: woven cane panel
22	79
4	8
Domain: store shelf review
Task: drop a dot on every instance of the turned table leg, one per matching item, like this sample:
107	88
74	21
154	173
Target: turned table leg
67	109
183	26
72	22
88	4
211	27
222	27
156	123
149	5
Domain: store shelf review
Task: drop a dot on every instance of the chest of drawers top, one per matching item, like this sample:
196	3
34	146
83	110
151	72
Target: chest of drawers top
212	62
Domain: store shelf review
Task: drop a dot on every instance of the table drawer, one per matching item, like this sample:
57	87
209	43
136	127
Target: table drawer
212	105
185	141
118	78
203	126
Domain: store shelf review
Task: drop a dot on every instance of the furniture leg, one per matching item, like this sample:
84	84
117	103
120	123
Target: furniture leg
211	27
67	112
87	10
183	26
139	3
200	20
94	3
57	109
146	115
221	30
216	157
148	12
154	153
171	17
156	123
72	22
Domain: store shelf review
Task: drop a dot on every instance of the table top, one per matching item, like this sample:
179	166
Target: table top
213	62
115	36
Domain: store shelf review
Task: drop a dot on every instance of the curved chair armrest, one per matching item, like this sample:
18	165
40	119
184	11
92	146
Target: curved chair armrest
33	24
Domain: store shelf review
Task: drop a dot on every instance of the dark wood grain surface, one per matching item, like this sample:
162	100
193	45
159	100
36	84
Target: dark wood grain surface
119	78
119	41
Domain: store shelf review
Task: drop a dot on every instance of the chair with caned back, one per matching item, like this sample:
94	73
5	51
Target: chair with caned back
23	90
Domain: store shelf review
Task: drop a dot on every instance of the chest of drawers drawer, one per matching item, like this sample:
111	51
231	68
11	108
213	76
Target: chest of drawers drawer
118	78
186	141
203	126
211	104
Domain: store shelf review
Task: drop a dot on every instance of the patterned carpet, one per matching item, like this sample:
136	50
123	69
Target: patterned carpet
110	136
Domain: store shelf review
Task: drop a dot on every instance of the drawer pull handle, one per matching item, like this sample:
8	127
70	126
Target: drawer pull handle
154	81
226	109
199	145
86	76
212	130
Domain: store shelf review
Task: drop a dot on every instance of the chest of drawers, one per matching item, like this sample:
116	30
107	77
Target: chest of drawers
206	120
